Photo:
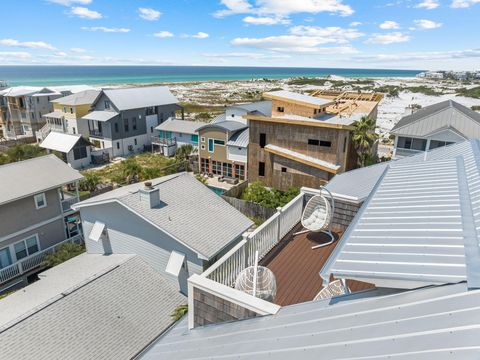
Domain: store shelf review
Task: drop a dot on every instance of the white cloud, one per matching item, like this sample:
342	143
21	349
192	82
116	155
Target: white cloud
70	2
428	4
327	34
248	55
390	38
427	56
78	50
427	24
85	13
163	34
283	8
389	25
265	20
149	14
106	29
26	44
14	55
463	3
200	35
355	24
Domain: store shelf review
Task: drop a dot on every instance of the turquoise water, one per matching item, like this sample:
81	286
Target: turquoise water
92	75
216	190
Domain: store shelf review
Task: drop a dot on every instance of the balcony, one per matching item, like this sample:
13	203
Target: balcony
163	141
32	262
96	133
67	203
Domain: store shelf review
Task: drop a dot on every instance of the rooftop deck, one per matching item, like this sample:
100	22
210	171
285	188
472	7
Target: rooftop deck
296	267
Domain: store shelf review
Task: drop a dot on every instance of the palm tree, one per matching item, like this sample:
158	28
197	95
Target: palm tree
364	138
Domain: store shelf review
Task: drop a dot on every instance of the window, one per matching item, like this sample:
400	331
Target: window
219	142
125	124
261	169
134	123
118	145
64	109
227	169
344	144
202	147
40	201
216	167
107	104
313	142
116	127
194	138
38	100
74	130
150	111
325	143
240	171
436	144
135	141
210	145
151	129
315	111
202	139
280	109
5	258
26	247
263	140
204	165
79	153
71	110
284	169
411	143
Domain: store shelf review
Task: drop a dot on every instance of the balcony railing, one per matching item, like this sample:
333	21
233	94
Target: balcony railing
67	204
33	261
263	239
96	133
163	141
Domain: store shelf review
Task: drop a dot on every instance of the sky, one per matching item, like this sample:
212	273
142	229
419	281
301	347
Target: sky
391	34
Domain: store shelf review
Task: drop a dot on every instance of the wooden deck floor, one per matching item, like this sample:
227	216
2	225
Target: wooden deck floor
296	267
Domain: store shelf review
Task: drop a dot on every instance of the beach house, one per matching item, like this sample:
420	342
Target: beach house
175	223
174	133
441	124
35	214
306	139
409	255
123	121
223	143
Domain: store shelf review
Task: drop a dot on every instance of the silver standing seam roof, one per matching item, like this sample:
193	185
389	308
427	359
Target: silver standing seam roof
114	314
239	139
263	108
82	98
418	226
140	97
25	178
180	126
189	211
435	323
228	125
445	114
100	115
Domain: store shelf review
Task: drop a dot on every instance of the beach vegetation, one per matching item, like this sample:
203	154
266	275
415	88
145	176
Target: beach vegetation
364	137
258	193
475	108
21	152
90	182
65	252
472	92
179	312
422	89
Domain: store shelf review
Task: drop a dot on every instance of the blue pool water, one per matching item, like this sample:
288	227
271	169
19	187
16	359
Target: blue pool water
216	190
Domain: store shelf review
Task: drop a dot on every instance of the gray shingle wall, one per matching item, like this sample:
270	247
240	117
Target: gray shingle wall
210	309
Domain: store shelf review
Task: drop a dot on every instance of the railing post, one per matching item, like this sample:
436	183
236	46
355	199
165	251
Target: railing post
20	268
279	212
245	248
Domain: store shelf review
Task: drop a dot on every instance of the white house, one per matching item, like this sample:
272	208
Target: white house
75	149
174	133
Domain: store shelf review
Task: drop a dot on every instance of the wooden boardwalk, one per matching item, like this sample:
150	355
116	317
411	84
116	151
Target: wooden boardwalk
296	267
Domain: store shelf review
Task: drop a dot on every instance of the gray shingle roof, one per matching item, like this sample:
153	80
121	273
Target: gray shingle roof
25	178
443	114
191	212
239	139
228	125
140	97
82	98
427	324
180	126
113	316
418	226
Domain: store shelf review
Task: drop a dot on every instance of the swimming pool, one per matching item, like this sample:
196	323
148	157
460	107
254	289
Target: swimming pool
216	190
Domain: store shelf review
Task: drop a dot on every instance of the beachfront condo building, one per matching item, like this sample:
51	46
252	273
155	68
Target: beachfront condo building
223	143
437	125
123	121
306	139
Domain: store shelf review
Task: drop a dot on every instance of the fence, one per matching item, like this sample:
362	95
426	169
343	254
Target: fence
250	209
33	261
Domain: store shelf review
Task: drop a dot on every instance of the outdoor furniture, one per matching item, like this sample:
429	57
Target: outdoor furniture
334	288
317	216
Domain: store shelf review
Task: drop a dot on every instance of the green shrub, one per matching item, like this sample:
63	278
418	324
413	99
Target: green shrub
64	253
269	198
179	312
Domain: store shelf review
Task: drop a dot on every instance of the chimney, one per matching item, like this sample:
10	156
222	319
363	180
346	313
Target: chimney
150	195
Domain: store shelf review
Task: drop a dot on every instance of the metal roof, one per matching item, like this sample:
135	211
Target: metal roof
437	116
180	126
60	142
140	97
191	212
293	96
114	314
306	159
219	118
33	176
260	107
418	226
435	323
100	115
86	97
228	125
239	139
54	114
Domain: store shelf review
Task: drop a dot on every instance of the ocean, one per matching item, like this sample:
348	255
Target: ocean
103	75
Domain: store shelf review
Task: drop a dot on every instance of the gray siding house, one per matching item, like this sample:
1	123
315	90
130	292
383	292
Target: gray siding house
123	121
176	224
437	125
35	214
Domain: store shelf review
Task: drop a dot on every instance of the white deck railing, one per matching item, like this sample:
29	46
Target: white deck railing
67	203
263	239
33	261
